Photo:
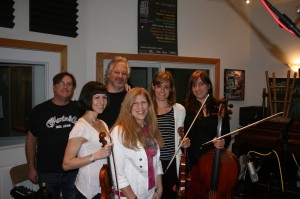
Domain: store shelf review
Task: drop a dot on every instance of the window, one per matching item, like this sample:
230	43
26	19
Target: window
51	57
20	89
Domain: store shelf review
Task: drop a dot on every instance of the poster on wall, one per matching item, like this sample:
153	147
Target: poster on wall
157	27
234	84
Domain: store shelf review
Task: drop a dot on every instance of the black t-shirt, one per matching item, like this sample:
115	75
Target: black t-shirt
111	113
51	125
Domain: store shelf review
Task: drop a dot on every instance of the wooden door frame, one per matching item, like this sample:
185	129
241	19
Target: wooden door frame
32	45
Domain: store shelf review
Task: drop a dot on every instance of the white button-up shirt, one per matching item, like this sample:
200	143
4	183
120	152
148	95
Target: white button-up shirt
132	166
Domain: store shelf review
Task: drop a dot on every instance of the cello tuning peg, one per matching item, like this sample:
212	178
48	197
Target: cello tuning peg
230	106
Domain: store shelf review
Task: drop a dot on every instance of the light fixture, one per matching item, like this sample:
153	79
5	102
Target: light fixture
294	66
247	1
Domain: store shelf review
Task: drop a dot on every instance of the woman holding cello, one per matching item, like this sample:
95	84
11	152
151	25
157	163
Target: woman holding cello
170	117
203	129
84	151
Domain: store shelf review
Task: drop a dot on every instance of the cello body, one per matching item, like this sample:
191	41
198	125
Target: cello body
216	172
200	188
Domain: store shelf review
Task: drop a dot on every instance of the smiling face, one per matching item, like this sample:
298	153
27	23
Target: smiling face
162	91
99	102
200	90
140	109
117	77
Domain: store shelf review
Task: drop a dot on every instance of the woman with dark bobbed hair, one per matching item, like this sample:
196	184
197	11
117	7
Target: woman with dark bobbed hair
84	151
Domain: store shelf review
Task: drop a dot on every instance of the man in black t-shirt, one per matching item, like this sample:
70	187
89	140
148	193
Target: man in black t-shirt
116	76
49	126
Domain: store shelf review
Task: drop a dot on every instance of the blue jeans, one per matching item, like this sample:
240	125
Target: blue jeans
57	183
79	195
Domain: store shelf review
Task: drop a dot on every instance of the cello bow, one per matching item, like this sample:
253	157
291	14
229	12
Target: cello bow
240	129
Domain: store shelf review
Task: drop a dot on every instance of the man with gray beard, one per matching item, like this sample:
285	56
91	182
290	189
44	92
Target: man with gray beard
116	76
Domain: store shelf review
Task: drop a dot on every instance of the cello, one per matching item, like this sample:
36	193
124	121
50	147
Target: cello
217	170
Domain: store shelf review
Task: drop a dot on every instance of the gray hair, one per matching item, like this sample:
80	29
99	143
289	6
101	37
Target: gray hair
110	65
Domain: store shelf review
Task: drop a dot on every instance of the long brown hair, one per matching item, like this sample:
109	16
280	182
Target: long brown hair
132	131
191	103
159	78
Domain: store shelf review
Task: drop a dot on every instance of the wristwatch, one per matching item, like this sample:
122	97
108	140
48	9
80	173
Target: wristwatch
91	158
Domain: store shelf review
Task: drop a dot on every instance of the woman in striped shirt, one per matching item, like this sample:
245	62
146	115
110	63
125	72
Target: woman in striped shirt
170	117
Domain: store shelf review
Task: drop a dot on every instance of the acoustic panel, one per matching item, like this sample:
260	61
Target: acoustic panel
7	13
58	17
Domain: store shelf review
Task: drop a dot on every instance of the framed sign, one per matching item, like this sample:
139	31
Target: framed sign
234	84
157	27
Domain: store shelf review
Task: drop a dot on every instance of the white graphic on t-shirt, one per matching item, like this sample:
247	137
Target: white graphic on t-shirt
52	121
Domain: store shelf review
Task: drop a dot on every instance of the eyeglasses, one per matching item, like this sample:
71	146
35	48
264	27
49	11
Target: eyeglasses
63	84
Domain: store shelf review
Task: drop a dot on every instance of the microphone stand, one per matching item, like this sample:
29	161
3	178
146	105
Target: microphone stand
284	138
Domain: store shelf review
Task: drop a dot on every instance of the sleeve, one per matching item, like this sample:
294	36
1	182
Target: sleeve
119	157
180	114
79	130
35	121
159	165
32	124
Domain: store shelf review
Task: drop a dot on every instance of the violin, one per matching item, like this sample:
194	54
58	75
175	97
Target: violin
217	170
105	176
184	177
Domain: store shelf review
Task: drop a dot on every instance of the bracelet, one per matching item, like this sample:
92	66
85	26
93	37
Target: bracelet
91	158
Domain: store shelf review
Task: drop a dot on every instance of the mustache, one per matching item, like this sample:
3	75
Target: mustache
120	79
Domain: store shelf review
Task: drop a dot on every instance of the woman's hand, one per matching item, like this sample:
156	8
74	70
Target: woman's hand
127	87
219	143
104	152
186	141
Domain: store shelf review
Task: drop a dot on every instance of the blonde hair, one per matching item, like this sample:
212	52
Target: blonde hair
132	131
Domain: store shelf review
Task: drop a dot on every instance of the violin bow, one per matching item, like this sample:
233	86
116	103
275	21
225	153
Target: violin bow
187	132
114	165
233	132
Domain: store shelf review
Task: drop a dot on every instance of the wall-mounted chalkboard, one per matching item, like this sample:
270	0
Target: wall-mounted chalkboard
157	27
